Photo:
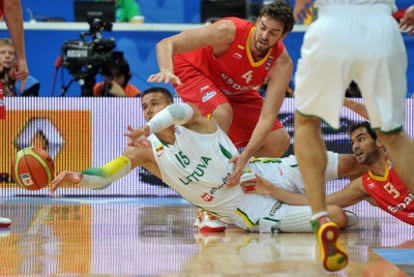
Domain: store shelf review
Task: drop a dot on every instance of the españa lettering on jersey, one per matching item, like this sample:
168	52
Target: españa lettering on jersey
390	194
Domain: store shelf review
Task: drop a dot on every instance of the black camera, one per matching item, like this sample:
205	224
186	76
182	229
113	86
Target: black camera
85	59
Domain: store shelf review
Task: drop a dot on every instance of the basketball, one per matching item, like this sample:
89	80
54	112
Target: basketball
32	168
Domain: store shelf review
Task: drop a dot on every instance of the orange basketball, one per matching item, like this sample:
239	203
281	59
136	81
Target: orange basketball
32	168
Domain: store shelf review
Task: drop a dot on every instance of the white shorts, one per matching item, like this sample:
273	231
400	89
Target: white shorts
353	42
285	173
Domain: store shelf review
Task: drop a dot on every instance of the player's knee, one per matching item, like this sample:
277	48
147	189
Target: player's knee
223	115
302	120
276	145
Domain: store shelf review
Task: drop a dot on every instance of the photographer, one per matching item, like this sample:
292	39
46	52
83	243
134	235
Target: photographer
116	81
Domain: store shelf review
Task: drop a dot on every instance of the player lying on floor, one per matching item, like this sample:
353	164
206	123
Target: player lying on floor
380	185
191	154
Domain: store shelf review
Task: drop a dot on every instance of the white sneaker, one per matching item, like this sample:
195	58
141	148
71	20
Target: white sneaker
352	218
4	222
207	222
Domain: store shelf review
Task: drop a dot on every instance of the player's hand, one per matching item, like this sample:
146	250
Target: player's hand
20	71
66	178
407	21
166	77
138	136
258	185
234	178
302	10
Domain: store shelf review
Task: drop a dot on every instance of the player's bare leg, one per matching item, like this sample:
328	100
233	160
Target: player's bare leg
310	152
223	115
275	145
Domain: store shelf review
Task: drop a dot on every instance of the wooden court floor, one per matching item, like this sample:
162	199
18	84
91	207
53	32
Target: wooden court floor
68	236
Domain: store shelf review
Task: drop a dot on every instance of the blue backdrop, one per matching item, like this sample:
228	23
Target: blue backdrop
43	45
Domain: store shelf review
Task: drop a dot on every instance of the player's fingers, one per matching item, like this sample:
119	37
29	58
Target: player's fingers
55	183
178	82
234	179
156	78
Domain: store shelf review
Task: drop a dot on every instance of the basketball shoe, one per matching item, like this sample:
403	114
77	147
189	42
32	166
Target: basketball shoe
353	219
207	222
4	222
333	255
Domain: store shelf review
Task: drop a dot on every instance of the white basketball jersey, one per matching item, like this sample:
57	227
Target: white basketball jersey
197	167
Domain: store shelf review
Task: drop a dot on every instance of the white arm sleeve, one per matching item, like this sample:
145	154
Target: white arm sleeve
174	114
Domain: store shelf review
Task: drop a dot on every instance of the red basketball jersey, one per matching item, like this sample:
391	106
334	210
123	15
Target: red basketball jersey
390	194
235	71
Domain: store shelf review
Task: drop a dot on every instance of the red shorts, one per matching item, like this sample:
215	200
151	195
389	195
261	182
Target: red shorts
201	91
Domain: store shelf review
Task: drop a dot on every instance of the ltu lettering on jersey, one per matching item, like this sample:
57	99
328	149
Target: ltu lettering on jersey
237	87
198	171
403	205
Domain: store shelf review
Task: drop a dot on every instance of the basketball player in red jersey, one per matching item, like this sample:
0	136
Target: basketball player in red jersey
12	12
219	68
380	186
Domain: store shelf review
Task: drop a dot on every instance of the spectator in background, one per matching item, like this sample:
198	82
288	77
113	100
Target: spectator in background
12	87
127	11
116	81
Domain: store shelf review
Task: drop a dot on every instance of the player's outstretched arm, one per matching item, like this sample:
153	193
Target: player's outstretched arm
260	185
218	35
94	177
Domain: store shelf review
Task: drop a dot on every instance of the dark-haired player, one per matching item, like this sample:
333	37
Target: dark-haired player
219	68
191	154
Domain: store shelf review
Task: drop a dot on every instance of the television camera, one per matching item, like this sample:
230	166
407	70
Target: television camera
85	59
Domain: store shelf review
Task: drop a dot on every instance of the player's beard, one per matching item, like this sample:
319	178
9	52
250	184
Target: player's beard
262	46
369	156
